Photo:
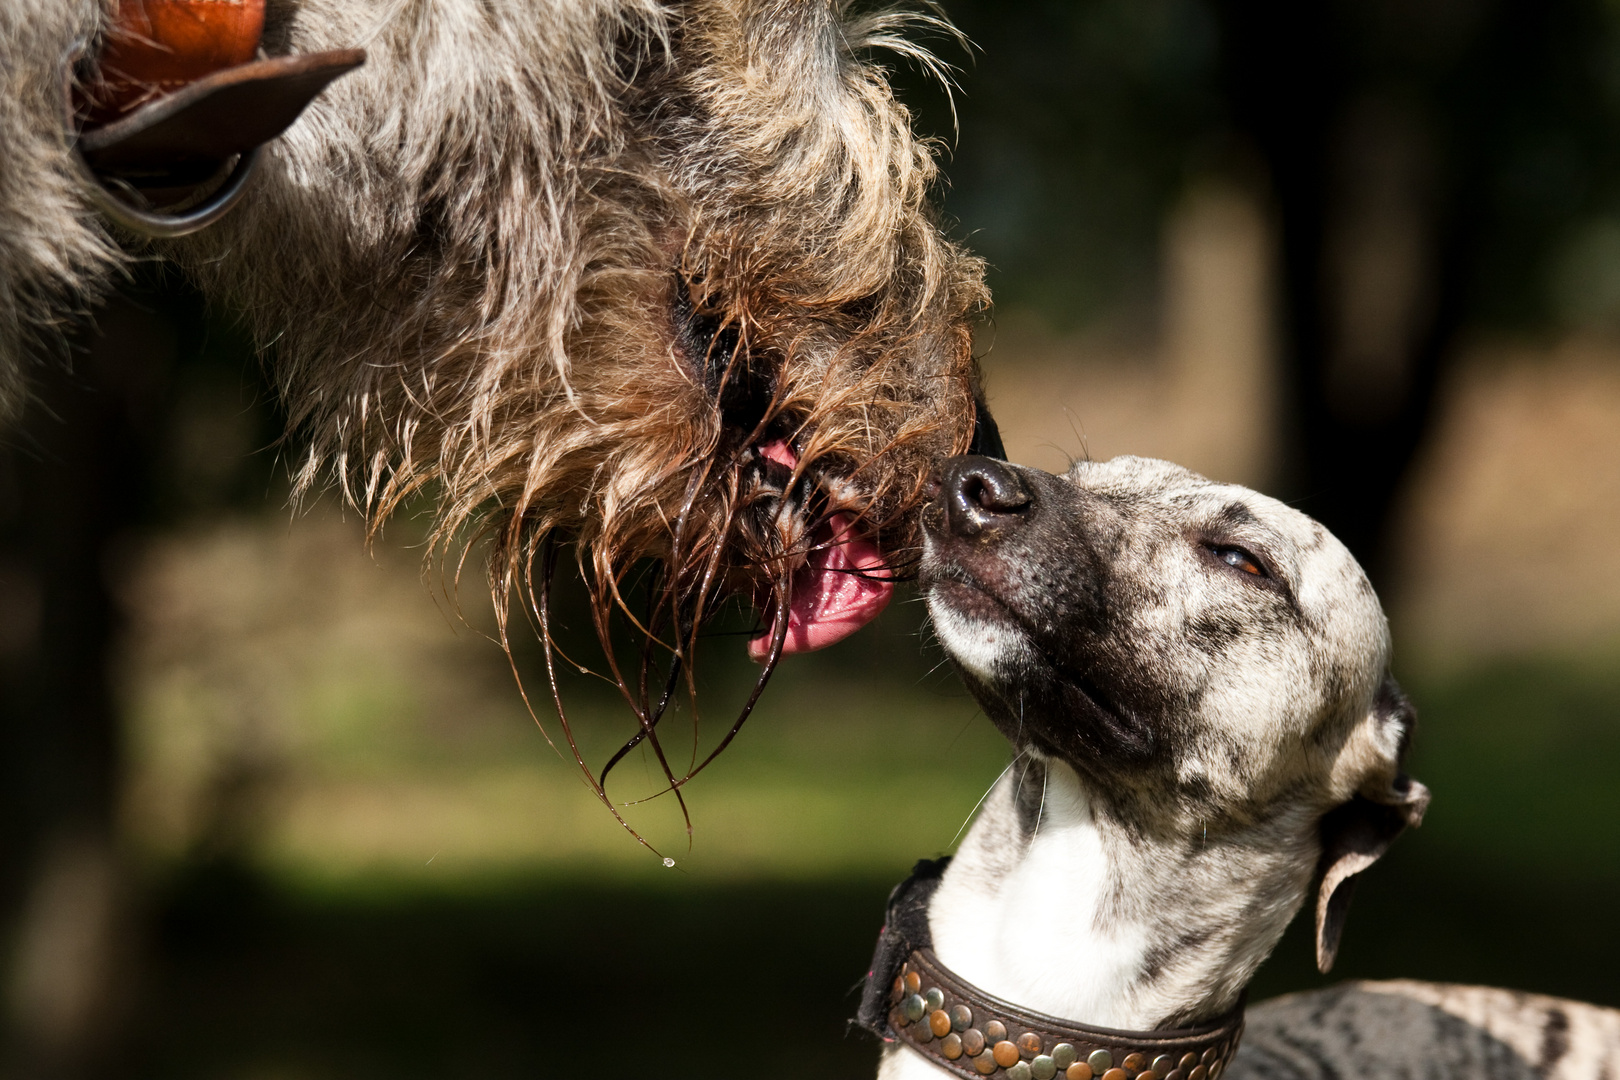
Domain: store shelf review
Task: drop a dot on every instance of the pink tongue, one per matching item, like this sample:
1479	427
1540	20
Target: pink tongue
843	585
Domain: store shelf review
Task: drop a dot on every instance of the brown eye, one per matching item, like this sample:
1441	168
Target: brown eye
1239	559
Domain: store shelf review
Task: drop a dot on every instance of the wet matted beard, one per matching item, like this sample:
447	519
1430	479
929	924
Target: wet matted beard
660	281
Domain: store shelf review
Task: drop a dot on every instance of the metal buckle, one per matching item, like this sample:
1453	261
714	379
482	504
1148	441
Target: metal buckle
143	221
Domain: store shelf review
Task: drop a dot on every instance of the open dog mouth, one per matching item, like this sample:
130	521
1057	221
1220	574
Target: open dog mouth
802	473
834	579
843	583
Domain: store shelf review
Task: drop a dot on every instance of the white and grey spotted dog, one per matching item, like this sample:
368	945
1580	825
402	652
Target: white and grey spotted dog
1195	680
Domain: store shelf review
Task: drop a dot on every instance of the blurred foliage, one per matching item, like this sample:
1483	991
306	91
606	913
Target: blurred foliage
1078	124
217	445
1074	127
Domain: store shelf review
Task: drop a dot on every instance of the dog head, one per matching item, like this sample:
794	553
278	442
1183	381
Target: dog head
1202	654
662	281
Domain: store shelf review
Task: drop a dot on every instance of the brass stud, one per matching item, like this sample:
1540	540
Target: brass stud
1100	1061
995	1031
1147	1074
951	1046
1163	1064
913	982
922	1033
961	1017
939	1022
973	1042
912	1008
1116	1074
1029	1044
1175	1074
1043	1067
1210	1057
1188	1060
898	990
1006	1054
1019	1071
1199	1072
1064	1055
985	1063
935	998
1216	1070
1078	1071
1134	1063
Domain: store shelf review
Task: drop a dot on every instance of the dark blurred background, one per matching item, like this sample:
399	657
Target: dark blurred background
272	810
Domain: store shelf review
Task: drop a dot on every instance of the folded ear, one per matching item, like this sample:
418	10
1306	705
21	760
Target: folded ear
1356	833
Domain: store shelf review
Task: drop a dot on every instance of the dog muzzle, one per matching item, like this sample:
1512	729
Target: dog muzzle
912	998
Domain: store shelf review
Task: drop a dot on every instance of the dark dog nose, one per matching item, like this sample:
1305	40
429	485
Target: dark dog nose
981	493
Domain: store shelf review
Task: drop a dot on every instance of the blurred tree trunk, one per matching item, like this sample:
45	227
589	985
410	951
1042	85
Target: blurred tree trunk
1376	122
1374	212
72	484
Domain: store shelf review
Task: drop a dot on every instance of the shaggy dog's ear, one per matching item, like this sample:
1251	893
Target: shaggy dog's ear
1356	833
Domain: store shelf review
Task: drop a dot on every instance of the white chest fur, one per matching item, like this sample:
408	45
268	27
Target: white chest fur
1022	917
1070	917
1036	932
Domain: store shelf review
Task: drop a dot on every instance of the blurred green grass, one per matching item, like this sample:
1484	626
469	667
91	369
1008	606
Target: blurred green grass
1523	757
332	750
298	961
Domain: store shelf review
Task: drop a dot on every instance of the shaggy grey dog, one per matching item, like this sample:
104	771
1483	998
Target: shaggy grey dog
658	279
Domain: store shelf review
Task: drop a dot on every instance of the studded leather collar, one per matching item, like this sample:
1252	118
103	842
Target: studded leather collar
911	997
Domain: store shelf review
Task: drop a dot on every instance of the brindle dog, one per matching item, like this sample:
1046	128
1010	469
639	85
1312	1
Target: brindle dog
660	280
1194	678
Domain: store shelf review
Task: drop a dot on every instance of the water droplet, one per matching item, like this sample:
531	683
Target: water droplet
668	861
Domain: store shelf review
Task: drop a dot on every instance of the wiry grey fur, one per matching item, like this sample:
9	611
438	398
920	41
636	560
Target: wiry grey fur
572	267
1194	679
454	239
54	255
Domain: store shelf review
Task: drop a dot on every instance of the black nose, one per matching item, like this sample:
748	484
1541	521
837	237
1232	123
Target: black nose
981	493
